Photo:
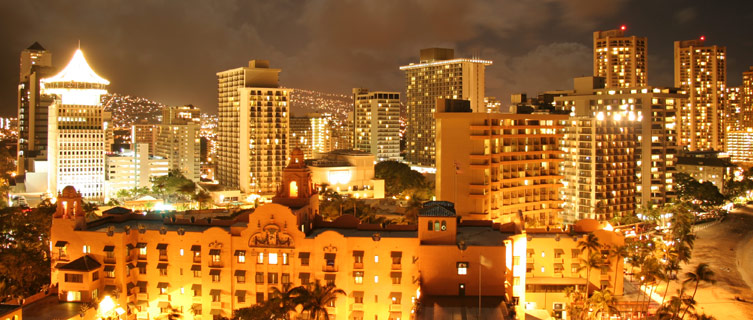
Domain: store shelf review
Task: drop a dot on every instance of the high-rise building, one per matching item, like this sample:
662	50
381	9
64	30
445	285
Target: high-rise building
377	123
746	100
500	167
739	145
701	71
144	133
178	140
253	128
312	134
36	63
134	168
622	60
733	112
77	129
437	75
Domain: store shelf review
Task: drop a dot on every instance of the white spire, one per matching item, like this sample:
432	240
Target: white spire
78	70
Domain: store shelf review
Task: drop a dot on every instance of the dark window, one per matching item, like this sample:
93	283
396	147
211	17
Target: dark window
272	278
77	278
260	277
259	297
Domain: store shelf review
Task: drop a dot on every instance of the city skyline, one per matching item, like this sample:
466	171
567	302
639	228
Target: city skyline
534	46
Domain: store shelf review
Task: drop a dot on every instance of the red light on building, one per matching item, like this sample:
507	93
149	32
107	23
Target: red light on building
623	27
703	38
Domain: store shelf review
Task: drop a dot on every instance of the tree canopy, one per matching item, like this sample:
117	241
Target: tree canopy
399	177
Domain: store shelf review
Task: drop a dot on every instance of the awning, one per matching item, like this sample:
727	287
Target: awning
162	266
396	254
196	287
215	292
396	274
216	312
358	273
304	255
110	288
197	307
559	250
162	285
558	265
358	253
130	286
109	268
358	294
142	303
60	244
109	248
130	266
161	246
215	272
141	245
129	247
240	293
396	296
164	304
214	252
196	267
141	264
141	284
303	275
329	256
554	280
240	253
196	247
240	273
329	276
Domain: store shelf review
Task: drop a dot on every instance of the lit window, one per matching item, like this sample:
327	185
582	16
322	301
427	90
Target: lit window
462	268
272	258
358	277
181	252
285	259
241	256
260	258
376	279
87	249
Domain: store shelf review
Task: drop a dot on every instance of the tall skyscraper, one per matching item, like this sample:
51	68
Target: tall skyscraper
437	75
377	123
733	109
145	133
312	134
620	59
701	70
36	63
253	128
178	140
746	100
77	129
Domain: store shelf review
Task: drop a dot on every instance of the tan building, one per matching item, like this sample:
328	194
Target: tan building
77	129
622	60
739	146
33	104
253	128
178	140
348	172
377	123
701	71
437	75
706	167
131	169
312	134
733	114
500	167
652	112
746	100
144	133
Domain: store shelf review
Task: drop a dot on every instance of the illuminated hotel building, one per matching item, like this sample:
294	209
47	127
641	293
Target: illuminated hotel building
746	100
733	114
739	145
144	133
311	133
437	75
347	172
652	113
500	167
701	71
131	169
620	59
77	129
252	134
377	123
36	63
178	140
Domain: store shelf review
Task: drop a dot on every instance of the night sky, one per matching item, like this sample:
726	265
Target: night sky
169	51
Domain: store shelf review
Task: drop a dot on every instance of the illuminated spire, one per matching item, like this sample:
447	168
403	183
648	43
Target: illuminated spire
79	71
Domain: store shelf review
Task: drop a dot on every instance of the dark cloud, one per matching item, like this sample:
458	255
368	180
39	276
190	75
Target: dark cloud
169	51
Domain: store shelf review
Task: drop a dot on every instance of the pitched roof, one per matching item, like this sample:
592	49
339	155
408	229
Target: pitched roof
36	46
117	210
78	70
85	263
437	209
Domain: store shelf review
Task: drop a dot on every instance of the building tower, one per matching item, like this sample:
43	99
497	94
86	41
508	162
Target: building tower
36	63
178	140
746	100
620	59
437	75
733	109
377	123
701	71
77	129
312	134
253	128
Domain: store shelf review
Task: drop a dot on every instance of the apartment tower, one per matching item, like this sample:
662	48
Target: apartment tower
620	59
77	129
746	100
36	63
312	134
253	128
701	71
437	75
377	123
178	140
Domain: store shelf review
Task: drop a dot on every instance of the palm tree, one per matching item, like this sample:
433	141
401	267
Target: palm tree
592	261
702	274
282	302
617	252
590	243
315	298
603	301
651	272
203	198
672	307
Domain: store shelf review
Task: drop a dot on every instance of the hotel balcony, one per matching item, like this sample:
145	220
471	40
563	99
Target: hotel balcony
396	308
329	268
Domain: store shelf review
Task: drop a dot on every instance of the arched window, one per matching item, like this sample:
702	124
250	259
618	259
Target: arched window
436	225
444	225
293	189
431	226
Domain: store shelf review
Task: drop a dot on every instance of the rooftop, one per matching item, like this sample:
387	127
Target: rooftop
708	162
77	71
85	263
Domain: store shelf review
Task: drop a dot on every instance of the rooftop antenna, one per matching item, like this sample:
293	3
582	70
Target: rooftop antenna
79	44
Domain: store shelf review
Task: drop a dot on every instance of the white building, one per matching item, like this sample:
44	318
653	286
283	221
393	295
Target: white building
77	129
178	140
133	169
377	123
347	172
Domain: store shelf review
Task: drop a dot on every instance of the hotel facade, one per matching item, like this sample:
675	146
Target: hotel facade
621	60
377	123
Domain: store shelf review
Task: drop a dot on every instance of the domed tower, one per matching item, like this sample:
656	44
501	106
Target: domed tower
297	191
70	205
